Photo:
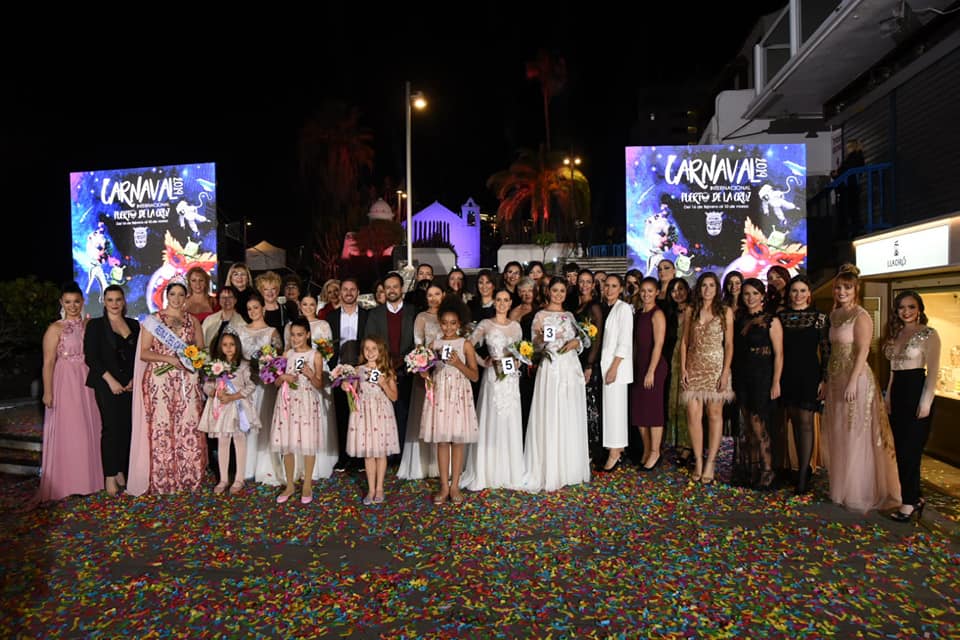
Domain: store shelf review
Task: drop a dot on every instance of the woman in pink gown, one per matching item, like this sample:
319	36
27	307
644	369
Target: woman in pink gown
858	443
167	453
71	461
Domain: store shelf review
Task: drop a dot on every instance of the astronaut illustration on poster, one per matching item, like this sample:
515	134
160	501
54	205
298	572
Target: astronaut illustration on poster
717	208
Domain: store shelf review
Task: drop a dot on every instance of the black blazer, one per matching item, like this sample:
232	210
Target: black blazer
377	326
100	352
350	352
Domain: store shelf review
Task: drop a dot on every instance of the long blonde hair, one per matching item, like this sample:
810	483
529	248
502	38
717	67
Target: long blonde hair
383	355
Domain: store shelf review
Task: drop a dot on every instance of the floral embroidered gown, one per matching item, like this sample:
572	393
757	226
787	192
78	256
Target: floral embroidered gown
496	459
173	403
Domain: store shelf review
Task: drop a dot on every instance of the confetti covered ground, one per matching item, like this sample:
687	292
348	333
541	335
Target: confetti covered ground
629	555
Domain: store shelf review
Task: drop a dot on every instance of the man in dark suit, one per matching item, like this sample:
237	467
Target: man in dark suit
347	323
393	322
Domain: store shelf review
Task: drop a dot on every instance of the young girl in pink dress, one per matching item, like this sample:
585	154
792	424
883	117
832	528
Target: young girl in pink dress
298	418
450	419
71	423
229	415
372	432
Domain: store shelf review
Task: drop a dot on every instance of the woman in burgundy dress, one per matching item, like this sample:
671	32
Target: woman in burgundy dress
649	372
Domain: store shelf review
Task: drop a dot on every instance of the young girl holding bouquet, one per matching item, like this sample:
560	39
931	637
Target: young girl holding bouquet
298	417
229	414
372	432
449	418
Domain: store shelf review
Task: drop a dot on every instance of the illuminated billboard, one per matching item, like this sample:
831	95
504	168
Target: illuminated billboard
717	208
140	228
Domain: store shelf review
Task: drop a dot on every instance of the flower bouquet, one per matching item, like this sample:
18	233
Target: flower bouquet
273	368
347	377
218	369
325	347
588	332
521	351
419	360
192	357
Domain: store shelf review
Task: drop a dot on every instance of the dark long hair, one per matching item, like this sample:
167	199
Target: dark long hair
716	307
896	324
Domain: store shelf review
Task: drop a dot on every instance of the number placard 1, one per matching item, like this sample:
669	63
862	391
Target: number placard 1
446	352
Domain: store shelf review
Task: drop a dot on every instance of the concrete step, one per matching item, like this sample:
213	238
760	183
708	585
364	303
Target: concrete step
21	462
21	436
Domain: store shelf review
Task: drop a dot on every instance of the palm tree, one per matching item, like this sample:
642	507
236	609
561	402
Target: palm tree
551	71
334	150
537	186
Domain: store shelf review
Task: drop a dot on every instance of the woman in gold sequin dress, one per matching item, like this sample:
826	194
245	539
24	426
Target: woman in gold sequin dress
857	440
706	352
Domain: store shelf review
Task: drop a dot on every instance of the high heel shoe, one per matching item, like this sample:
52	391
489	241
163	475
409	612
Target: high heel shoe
606	469
900	516
697	470
656	464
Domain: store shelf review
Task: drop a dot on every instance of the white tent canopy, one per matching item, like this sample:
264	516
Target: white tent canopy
263	256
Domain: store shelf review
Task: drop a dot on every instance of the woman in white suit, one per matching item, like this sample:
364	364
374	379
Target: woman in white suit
616	366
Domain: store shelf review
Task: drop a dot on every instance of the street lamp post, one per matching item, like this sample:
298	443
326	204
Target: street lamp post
572	161
410	101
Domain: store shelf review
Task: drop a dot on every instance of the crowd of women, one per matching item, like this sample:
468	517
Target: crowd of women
623	365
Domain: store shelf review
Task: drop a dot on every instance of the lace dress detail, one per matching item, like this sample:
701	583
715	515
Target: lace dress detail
806	354
496	458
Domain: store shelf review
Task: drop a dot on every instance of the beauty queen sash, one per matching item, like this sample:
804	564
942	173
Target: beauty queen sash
226	383
172	341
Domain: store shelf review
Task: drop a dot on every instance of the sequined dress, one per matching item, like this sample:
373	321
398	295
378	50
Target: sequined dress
858	443
705	362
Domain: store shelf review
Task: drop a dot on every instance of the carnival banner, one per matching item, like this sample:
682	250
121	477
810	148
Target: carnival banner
140	228
717	208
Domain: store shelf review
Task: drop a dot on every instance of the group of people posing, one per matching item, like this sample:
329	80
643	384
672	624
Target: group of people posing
610	353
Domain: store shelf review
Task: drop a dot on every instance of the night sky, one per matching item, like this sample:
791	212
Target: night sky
239	101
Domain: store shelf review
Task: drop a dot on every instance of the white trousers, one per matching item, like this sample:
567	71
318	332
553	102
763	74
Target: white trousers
616	419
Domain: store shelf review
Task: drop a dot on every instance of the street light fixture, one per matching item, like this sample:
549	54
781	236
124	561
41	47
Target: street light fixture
401	196
411	101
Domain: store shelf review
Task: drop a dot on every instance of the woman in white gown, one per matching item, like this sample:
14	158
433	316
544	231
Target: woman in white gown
419	459
261	465
495	460
327	456
556	451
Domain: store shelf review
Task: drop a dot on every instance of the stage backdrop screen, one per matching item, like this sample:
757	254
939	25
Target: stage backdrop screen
140	228
717	208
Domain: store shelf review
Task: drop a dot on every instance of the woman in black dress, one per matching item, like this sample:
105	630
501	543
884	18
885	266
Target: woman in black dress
806	352
589	308
757	364
109	348
523	313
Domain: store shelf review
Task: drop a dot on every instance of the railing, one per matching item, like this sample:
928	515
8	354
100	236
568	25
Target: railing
869	189
607	250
